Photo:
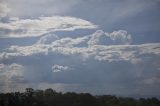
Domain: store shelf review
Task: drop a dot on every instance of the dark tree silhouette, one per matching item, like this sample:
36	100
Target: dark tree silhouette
50	97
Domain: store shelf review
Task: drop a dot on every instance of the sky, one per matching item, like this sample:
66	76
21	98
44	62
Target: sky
95	46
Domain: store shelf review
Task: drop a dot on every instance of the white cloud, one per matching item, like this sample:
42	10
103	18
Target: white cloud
120	37
69	42
59	68
36	8
11	71
98	52
140	57
47	39
27	50
101	52
107	52
11	74
96	37
95	49
43	25
4	10
11	77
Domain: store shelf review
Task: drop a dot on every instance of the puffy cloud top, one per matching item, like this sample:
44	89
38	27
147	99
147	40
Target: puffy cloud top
119	37
59	68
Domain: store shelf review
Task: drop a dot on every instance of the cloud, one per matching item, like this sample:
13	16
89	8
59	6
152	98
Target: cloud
47	39
26	50
43	25
11	71
4	10
69	47
96	38
59	68
11	74
118	37
69	56
69	42
100	64
36	8
126	52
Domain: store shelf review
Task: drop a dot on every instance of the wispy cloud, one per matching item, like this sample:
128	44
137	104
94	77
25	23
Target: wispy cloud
43	25
37	8
4	10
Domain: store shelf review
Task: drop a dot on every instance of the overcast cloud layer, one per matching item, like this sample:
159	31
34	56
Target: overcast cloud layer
95	46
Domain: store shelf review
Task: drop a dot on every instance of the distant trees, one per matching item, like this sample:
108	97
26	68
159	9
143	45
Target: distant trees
50	97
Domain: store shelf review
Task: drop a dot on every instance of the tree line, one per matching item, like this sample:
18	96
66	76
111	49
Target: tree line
50	97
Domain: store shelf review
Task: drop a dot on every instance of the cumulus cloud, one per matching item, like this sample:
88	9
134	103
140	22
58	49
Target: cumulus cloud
68	46
64	54
95	49
43	25
59	68
119	37
96	38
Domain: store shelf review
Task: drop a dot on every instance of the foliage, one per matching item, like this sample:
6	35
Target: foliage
50	97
